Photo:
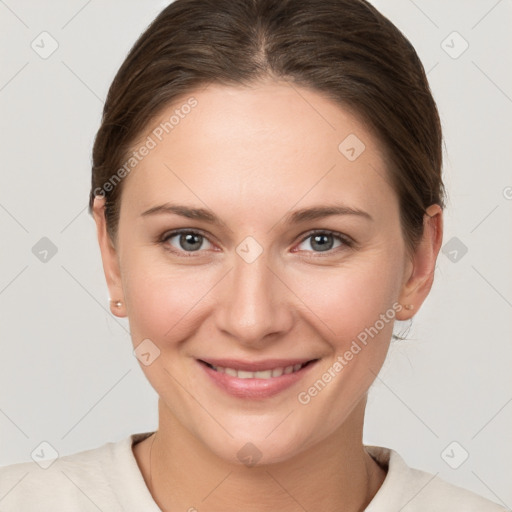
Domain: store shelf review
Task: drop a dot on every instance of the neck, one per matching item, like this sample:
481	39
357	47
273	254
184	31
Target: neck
336	474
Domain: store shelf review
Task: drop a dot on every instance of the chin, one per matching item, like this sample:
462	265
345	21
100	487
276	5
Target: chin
249	447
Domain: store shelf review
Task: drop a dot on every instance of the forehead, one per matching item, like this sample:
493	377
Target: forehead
271	142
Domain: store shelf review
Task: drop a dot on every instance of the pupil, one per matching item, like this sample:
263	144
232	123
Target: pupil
323	242
190	241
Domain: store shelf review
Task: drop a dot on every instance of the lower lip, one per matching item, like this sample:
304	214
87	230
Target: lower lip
255	388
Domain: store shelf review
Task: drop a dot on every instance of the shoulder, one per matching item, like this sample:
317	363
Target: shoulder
414	490
82	481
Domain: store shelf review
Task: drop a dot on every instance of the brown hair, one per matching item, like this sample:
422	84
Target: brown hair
344	49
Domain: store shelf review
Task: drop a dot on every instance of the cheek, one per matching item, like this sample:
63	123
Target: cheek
354	314
162	299
349	299
165	306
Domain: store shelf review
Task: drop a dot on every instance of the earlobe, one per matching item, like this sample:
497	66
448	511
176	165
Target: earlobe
109	259
420	279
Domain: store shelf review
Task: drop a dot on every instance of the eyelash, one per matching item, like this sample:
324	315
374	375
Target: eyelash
346	241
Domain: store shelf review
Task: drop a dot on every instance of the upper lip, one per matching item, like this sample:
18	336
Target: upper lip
254	366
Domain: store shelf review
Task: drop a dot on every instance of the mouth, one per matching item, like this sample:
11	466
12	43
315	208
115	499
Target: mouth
256	379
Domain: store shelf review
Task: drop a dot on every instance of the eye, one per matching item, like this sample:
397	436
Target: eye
190	241
185	241
323	241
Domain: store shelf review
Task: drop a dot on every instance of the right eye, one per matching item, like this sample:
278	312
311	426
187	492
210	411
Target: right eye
183	241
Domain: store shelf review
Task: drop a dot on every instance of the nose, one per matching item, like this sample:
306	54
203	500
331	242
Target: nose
255	306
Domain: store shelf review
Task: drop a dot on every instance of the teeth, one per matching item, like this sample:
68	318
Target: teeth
242	374
277	372
262	374
266	374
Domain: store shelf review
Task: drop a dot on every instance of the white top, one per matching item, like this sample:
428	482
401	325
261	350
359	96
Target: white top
108	478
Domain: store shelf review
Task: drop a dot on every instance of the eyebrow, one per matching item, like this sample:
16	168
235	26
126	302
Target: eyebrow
296	217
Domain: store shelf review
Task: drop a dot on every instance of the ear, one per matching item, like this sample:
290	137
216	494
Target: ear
109	259
420	271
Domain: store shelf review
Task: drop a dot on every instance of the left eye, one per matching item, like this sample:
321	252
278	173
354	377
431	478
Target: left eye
322	241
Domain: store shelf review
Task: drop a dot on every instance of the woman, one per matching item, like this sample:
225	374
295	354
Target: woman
268	198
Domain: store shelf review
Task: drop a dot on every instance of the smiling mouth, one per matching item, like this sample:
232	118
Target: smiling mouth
261	374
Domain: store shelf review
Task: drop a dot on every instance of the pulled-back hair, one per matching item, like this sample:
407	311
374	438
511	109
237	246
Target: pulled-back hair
344	49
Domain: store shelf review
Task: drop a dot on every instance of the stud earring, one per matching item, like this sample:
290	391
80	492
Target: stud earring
117	303
408	306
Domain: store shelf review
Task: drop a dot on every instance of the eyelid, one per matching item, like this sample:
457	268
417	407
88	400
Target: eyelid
174	232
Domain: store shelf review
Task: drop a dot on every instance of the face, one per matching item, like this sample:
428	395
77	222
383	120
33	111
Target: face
255	236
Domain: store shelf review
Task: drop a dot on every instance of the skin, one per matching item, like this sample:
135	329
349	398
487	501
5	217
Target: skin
252	155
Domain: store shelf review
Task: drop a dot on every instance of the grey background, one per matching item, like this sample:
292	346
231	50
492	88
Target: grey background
67	373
